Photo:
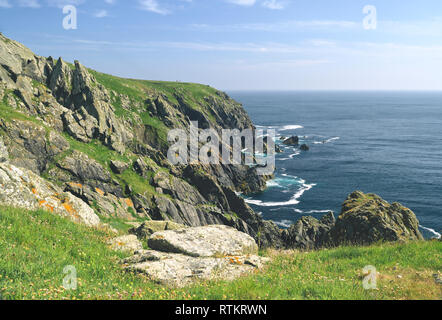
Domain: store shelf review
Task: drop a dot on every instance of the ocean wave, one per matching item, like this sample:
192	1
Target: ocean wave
292	201
290	127
284	223
327	141
437	235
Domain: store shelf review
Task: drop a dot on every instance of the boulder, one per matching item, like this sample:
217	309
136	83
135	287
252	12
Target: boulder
148	228
127	243
179	270
292	141
118	167
208	241
367	219
24	189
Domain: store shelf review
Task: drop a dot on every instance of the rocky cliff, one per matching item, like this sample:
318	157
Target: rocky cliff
92	146
103	140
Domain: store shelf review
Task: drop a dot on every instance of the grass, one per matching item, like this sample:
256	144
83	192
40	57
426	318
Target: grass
36	247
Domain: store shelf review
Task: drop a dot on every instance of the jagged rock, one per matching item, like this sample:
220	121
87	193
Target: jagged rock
142	168
292	141
24	189
178	188
148	228
80	125
207	186
206	241
118	167
180	270
185	213
30	145
127	243
305	147
105	203
308	233
4	155
367	219
84	168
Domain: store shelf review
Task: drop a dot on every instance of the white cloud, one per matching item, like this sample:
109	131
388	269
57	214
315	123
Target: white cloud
5	4
247	3
29	3
62	3
284	26
101	14
152	6
274	4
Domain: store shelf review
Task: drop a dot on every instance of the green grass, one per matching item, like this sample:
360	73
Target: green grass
36	246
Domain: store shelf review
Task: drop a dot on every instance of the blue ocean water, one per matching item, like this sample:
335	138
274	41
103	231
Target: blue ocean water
388	143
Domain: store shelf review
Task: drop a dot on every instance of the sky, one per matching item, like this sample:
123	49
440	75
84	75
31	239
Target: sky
243	44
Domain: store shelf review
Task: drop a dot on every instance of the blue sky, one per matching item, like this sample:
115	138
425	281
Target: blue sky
243	44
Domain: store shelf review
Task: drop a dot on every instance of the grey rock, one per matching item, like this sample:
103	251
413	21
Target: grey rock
148	228
24	189
118	167
180	270
206	241
308	233
127	243
4	155
367	219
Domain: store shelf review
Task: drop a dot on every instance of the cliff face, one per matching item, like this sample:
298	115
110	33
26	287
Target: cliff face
103	140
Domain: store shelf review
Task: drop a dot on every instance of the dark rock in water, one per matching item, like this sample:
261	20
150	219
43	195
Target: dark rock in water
292	141
366	219
118	167
308	233
305	147
278	149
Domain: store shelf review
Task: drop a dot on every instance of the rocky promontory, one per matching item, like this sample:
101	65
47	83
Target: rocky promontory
91	146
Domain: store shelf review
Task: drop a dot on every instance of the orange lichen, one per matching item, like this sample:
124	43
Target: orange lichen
68	208
34	191
99	191
42	202
129	202
74	184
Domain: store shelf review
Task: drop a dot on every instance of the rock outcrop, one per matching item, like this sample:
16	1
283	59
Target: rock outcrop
127	243
292	141
203	253
24	189
206	241
367	219
309	233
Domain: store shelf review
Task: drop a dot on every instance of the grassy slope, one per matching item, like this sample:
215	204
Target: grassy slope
36	246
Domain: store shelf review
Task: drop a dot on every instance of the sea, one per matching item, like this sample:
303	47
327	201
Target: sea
387	143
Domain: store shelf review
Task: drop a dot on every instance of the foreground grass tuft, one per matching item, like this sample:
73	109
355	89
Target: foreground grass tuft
35	247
